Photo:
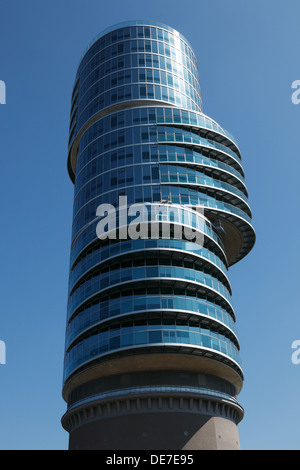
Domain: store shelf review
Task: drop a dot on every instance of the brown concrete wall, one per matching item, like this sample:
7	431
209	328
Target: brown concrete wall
215	434
156	431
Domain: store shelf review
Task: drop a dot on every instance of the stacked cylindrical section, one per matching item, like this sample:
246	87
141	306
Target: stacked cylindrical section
152	354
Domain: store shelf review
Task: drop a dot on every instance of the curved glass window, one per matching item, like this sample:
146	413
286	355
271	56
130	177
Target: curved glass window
88	235
102	281
102	136
154	193
178	174
114	339
106	309
103	253
173	154
135	29
170	134
130	176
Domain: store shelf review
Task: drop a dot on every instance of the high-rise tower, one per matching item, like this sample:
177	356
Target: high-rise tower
151	354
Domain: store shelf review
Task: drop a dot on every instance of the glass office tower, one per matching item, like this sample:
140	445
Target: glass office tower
151	354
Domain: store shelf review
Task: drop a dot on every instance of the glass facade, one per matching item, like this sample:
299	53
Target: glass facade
137	129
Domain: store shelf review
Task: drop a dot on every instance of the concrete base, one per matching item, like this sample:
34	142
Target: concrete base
215	434
156	431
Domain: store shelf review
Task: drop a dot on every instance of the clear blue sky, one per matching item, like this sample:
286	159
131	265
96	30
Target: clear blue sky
248	57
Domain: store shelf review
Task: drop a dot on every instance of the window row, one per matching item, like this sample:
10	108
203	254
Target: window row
182	174
104	280
107	309
127	176
154	115
89	149
102	253
137	75
143	154
107	341
88	235
129	61
120	138
117	121
155	262
154	193
173	134
119	158
191	158
106	49
135	175
138	92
